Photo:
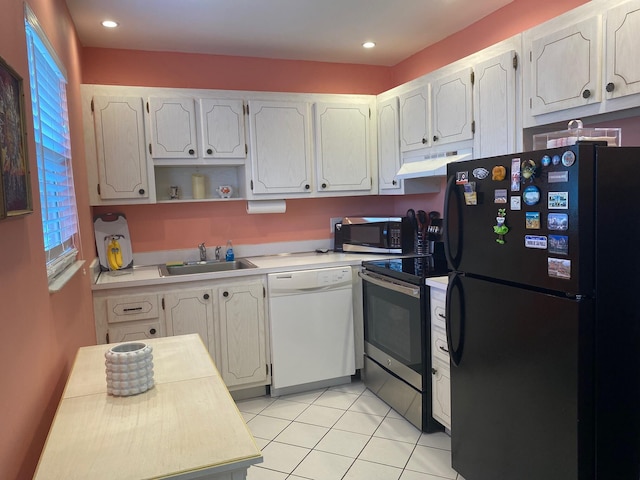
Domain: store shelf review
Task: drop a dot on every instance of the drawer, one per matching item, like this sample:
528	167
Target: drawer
129	332
439	347
135	307
438	309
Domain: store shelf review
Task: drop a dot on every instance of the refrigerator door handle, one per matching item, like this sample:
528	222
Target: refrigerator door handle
455	351
452	195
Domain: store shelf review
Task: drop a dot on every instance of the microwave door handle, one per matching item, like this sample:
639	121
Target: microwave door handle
410	291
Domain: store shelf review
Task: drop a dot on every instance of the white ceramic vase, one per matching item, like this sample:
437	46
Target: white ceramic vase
129	369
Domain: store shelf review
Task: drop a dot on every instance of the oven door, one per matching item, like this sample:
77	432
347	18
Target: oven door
394	317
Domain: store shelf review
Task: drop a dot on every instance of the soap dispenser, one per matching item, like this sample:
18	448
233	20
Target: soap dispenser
229	256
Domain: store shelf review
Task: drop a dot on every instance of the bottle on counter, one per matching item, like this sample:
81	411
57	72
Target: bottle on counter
229	256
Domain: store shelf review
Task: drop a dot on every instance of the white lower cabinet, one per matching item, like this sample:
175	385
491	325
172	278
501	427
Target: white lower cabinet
440	369
441	393
190	311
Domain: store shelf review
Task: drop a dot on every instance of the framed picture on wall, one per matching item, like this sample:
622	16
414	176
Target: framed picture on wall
15	184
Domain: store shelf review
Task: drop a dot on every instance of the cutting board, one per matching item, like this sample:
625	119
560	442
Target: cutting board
106	226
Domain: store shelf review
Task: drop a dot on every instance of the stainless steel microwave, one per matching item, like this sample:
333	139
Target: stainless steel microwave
393	235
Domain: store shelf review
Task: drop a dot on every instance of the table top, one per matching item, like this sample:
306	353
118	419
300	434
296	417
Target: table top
186	426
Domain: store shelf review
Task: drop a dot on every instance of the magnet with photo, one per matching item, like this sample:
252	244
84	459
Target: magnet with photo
558	221
532	220
568	158
515	202
559	244
531	195
462	178
515	175
558	201
559	268
500	195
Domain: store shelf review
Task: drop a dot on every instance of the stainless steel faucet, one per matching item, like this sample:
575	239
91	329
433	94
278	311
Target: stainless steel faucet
203	252
218	252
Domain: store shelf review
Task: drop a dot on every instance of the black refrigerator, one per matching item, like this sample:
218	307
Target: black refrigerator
543	314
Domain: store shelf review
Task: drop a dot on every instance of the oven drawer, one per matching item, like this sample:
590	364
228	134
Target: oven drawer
439	348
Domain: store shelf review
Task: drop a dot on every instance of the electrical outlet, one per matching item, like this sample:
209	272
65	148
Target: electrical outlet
332	223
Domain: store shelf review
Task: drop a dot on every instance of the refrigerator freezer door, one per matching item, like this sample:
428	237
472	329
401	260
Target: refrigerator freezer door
519	408
548	241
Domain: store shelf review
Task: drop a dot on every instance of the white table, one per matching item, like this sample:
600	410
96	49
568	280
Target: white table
186	427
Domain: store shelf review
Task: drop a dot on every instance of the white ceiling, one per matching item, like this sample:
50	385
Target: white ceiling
320	30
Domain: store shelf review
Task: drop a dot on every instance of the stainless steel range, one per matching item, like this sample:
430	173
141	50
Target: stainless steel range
397	334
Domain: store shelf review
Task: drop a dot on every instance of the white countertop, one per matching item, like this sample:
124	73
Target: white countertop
150	275
438	282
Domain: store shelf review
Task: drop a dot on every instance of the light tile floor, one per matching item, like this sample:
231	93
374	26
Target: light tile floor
342	433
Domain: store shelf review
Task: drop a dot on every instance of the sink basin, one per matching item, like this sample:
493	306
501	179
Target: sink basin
204	267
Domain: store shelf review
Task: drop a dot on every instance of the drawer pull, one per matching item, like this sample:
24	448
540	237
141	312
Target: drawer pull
133	309
443	349
152	331
442	316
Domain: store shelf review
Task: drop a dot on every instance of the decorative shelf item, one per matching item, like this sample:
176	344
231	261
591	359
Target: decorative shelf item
129	369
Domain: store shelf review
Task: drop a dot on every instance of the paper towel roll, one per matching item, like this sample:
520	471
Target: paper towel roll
266	206
197	183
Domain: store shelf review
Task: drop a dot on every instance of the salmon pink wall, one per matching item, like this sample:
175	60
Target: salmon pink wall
504	23
40	332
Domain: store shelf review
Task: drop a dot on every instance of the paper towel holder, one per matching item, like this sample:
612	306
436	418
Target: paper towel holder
266	206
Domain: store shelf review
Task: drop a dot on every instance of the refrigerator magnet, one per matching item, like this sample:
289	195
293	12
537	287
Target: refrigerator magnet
559	244
558	201
531	195
532	220
515	175
500	195
546	161
555	160
528	170
515	202
559	268
498	173
558	221
462	178
500	228
470	195
480	173
535	241
558	177
568	158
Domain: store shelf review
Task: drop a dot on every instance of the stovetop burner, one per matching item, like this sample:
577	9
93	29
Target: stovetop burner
412	269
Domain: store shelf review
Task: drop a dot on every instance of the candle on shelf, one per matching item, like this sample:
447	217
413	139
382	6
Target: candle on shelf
197	182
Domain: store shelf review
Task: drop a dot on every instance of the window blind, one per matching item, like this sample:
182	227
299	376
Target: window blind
53	151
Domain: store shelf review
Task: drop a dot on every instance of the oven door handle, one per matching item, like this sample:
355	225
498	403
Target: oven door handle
405	290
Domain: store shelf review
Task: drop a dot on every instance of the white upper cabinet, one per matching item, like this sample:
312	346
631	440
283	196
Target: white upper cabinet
280	134
222	123
388	146
173	127
342	138
120	148
623	48
452	107
415	118
494	103
565	67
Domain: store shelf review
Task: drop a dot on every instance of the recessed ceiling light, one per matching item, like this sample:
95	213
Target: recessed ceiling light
109	24
369	44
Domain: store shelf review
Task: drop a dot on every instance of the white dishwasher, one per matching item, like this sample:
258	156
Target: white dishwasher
311	315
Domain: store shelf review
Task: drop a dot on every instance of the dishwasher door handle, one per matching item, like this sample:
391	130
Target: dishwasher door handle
380	281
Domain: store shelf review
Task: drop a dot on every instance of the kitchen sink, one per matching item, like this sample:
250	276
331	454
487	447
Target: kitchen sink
204	267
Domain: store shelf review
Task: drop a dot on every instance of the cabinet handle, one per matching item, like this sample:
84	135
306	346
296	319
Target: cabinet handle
206	296
324	185
442	316
433	371
141	191
133	309
610	87
191	151
307	186
586	93
152	331
443	349
225	294
209	151
424	140
435	138
394	182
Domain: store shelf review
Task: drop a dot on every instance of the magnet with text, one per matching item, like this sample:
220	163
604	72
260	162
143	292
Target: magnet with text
516	204
470	195
558	201
558	221
532	220
515	175
559	244
500	228
558	177
500	195
535	241
480	173
531	195
462	178
528	170
559	268
498	173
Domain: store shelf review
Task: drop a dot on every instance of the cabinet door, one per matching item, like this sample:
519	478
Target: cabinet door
120	144
388	146
342	147
494	103
623	46
190	311
131	331
222	124
441	393
565	68
173	127
452	108
280	147
243	358
415	119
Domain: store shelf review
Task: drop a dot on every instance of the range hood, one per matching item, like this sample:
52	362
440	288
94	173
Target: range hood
431	165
